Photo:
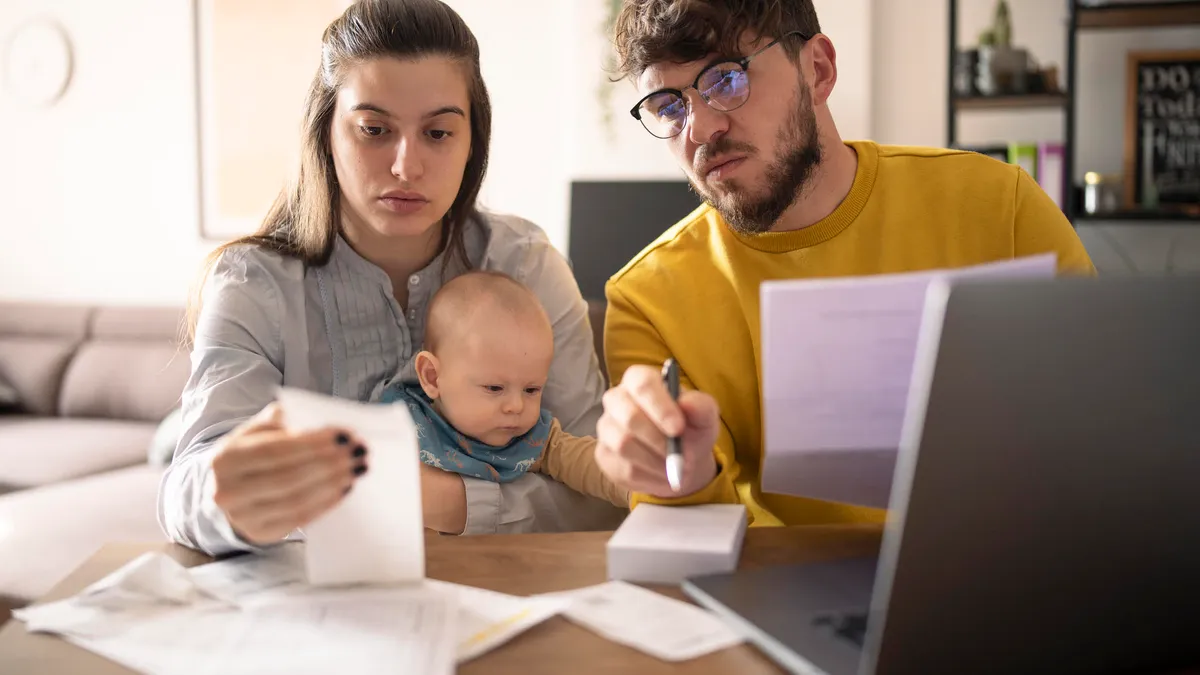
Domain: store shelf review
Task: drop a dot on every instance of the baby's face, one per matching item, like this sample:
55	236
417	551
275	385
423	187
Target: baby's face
491	379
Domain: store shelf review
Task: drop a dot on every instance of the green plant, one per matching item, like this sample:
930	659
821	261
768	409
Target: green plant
604	88
1002	24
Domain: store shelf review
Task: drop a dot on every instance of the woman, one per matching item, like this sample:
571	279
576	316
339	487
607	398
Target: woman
329	295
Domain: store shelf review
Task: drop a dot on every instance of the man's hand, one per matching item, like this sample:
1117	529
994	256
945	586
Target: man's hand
638	416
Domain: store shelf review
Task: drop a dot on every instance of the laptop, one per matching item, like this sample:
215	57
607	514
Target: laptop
1045	509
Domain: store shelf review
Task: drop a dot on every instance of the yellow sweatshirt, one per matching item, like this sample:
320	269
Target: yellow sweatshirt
694	293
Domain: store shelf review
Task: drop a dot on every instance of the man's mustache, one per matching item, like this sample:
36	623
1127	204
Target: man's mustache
722	146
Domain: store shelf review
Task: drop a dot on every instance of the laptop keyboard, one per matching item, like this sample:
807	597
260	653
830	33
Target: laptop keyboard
851	627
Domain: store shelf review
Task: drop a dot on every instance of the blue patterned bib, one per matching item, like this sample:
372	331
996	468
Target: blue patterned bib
444	447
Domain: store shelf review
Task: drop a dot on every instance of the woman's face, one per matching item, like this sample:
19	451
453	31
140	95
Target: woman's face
401	137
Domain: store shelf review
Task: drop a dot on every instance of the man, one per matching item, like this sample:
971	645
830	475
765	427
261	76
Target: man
738	92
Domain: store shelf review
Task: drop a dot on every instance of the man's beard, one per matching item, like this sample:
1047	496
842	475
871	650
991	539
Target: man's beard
785	179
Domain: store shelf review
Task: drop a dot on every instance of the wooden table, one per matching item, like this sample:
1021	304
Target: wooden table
516	564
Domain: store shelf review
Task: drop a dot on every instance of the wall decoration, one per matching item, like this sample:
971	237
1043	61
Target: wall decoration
255	62
37	62
1162	131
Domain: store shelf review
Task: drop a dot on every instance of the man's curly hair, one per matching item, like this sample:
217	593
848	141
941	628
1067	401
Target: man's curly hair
680	31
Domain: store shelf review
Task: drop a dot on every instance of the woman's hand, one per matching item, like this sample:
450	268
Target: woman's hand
443	500
270	481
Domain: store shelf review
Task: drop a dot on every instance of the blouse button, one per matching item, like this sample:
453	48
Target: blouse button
414	280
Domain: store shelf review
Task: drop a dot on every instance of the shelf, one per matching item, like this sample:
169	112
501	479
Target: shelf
1138	15
1056	100
1142	216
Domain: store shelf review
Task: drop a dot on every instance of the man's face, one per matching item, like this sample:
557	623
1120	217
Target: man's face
750	163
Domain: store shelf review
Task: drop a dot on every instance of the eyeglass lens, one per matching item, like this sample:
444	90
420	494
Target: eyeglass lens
725	86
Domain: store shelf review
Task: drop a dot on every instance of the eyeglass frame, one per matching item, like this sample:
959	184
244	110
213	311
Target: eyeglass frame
743	63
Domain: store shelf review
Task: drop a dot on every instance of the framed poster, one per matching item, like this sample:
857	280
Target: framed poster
1162	131
255	62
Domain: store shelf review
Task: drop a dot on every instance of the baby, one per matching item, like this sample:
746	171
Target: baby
478	404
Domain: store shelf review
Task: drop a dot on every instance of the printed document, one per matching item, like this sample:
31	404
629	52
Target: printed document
665	628
837	357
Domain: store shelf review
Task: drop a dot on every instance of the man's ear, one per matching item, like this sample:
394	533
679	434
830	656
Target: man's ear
824	60
427	372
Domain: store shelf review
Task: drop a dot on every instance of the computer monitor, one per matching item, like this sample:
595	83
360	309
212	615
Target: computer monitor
612	221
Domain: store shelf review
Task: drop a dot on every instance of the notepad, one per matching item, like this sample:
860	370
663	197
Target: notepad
666	544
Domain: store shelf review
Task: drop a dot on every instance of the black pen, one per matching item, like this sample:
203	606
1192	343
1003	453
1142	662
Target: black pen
670	374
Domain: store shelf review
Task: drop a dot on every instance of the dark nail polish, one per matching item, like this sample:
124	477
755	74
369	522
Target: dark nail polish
359	452
342	438
360	469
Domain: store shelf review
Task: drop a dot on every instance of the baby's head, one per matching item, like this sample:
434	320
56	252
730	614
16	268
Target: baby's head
488	348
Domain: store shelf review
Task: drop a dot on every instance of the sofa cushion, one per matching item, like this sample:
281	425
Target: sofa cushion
47	532
37	451
32	319
35	367
36	342
9	398
132	366
125	380
159	324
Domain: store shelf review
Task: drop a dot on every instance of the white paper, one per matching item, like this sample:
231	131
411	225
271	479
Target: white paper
376	534
668	629
183	641
487	619
359	632
278	569
142	590
837	359
356	631
154	617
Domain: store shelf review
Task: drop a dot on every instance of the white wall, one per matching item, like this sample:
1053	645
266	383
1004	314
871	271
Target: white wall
98	194
848	25
521	47
909	76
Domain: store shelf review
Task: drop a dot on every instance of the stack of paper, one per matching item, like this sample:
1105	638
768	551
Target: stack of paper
667	544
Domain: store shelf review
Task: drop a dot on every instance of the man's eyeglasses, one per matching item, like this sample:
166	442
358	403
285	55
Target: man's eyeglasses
723	86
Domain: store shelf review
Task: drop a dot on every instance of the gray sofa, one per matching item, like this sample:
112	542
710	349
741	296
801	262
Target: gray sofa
92	387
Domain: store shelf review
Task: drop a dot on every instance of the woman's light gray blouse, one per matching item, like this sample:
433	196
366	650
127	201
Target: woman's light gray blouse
266	321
